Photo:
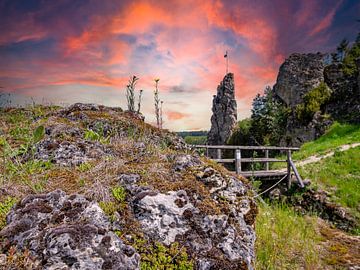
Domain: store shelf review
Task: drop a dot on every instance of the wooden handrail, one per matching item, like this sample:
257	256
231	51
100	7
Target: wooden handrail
238	160
242	147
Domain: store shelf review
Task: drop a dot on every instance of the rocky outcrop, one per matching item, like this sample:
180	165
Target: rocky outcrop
221	241
67	232
345	99
165	206
224	111
299	74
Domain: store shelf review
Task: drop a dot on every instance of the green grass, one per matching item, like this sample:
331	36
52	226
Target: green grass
285	240
339	174
337	135
195	139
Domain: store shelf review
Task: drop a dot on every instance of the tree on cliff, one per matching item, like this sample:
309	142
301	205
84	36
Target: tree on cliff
342	49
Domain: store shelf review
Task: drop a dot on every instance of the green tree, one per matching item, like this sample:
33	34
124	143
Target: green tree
342	49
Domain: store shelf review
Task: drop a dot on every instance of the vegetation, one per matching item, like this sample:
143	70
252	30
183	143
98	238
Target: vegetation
313	100
340	174
184	134
5	207
285	240
195	140
157	103
350	56
130	93
338	134
267	123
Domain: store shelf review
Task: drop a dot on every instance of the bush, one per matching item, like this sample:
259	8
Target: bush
5	208
313	100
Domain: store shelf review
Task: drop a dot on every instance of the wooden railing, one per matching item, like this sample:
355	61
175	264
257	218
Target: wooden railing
238	160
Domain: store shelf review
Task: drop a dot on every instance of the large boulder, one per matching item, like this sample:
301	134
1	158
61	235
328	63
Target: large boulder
67	232
224	118
299	74
223	240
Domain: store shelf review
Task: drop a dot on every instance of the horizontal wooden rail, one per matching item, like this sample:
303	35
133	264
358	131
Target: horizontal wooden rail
245	147
249	160
216	155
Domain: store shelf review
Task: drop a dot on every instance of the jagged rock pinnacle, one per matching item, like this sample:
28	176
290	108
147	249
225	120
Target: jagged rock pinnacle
224	110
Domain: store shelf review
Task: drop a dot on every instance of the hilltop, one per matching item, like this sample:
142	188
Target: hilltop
96	187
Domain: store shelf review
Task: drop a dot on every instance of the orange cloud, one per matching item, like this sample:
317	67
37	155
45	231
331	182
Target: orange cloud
172	115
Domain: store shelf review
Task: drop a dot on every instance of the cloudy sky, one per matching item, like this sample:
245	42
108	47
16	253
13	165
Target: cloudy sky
69	51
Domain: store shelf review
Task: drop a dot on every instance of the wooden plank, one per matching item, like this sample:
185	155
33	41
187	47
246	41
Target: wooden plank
249	160
218	152
263	173
238	161
288	169
267	157
245	147
224	160
298	177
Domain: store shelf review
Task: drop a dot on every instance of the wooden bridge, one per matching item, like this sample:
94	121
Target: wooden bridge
262	174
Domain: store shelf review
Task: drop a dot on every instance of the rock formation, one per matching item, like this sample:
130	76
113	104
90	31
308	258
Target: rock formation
224	110
345	99
118	196
67	232
299	74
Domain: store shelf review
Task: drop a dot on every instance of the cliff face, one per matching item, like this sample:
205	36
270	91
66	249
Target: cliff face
97	188
224	110
345	98
300	74
297	76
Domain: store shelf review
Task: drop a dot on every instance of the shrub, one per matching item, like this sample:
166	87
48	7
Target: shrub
5	208
313	100
119	193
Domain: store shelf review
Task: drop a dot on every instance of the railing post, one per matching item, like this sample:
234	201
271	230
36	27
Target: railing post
219	153
288	169
238	161
267	162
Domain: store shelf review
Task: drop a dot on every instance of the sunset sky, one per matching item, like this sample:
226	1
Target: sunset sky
70	51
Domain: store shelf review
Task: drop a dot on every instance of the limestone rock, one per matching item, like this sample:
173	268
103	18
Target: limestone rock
69	153
299	74
182	162
345	98
224	241
67	232
162	215
224	110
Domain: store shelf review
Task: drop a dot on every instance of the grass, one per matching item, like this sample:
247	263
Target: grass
197	140
285	240
341	175
337	135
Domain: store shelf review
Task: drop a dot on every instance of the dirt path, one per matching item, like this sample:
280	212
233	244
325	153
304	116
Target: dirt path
316	158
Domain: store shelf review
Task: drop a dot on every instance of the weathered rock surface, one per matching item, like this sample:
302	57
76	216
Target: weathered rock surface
222	241
69	153
67	232
299	74
224	110
149	192
345	98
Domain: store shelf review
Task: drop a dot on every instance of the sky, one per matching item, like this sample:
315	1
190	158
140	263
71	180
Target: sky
66	51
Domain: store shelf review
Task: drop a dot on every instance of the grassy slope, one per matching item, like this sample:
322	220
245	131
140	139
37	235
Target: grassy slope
337	135
283	235
285	240
340	175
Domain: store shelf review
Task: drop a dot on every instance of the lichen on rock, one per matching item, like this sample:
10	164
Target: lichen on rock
67	232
